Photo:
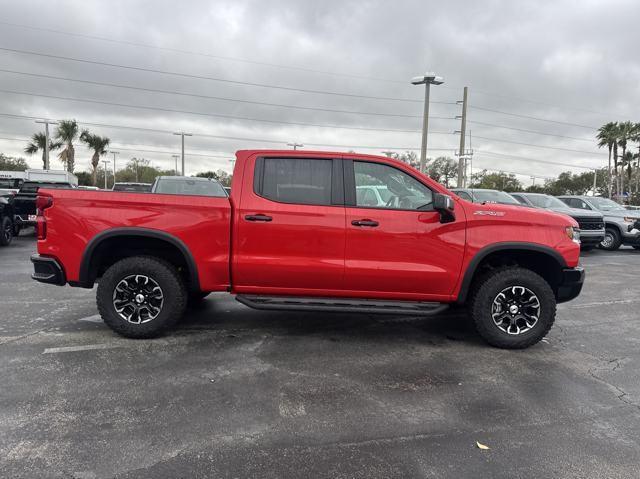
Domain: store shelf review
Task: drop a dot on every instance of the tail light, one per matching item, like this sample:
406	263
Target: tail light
42	203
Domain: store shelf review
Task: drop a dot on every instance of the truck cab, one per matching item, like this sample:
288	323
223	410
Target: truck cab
295	234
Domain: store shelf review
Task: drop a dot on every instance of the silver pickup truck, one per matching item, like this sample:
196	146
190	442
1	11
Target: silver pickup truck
591	223
621	224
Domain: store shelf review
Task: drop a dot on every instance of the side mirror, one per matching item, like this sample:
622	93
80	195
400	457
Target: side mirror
444	205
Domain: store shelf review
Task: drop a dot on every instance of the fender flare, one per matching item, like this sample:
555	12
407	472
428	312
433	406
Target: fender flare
84	279
505	246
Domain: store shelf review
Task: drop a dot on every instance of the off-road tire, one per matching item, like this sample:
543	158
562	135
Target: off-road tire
616	240
6	231
164	274
485	290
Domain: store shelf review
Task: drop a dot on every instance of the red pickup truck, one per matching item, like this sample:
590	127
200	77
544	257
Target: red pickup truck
312	231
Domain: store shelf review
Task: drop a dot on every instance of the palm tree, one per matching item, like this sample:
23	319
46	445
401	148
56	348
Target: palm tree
67	133
635	136
37	143
625	131
98	144
607	136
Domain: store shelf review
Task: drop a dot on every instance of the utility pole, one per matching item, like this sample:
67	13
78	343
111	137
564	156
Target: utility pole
183	134
428	79
106	172
595	181
533	181
295	145
46	141
114	163
463	128
175	157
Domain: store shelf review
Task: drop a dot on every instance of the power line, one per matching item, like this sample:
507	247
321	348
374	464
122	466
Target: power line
223	137
537	146
202	54
215	115
493	125
204	77
536	160
528	117
290	67
194	95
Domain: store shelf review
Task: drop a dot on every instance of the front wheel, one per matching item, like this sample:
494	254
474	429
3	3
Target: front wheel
141	297
612	240
513	307
6	231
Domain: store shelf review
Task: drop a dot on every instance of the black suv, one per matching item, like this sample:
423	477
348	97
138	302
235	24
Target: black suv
6	219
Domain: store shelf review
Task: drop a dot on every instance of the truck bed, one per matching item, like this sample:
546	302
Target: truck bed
202	224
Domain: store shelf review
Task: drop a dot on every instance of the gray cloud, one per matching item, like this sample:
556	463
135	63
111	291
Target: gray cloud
569	61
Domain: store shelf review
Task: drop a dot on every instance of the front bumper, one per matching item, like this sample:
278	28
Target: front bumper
591	238
47	270
570	284
25	220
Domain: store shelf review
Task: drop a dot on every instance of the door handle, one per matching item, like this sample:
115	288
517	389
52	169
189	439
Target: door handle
258	218
369	223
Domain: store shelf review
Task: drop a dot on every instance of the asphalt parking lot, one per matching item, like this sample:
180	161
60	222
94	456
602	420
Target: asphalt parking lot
240	393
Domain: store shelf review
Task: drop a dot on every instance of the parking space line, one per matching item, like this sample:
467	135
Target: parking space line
86	347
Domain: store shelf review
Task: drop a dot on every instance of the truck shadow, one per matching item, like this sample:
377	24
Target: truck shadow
226	314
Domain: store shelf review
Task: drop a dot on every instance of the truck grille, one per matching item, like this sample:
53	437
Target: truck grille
586	224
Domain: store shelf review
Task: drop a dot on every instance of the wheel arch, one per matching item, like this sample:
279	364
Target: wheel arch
539	258
131	241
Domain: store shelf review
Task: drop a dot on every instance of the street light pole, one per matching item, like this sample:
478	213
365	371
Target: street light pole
183	134
46	141
114	163
295	145
106	172
175	157
428	79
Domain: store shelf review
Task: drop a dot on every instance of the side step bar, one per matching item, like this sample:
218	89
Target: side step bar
342	305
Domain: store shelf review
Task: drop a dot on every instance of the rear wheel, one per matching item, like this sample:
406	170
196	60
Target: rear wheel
612	240
141	297
513	307
6	231
636	246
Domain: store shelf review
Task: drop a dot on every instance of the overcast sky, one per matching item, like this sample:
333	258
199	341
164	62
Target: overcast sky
573	62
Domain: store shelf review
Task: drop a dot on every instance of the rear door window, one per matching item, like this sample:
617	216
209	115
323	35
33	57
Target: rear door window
306	181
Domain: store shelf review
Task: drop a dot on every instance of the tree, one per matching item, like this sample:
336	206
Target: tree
408	157
98	144
608	136
625	131
85	178
535	189
495	181
222	176
67	133
37	143
442	169
8	163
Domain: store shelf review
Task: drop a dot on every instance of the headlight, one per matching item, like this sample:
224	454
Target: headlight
573	233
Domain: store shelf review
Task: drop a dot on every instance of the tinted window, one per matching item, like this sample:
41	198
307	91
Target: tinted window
395	189
545	201
520	199
186	186
131	187
302	181
29	187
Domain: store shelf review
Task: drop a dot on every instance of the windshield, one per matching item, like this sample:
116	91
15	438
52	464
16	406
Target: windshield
605	204
492	196
188	186
546	201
